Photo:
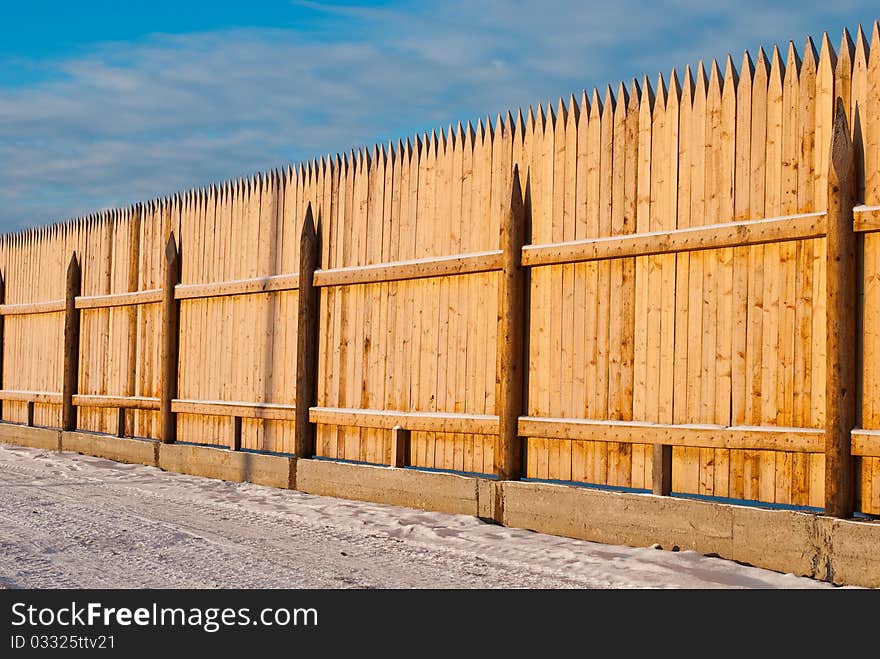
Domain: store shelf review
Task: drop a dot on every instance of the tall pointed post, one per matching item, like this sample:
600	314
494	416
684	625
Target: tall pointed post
511	358
841	305
307	338
170	343
71	344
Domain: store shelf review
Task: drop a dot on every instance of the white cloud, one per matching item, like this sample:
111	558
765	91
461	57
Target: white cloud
131	121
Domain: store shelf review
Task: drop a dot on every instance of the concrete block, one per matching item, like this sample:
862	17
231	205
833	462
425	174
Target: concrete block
236	466
848	551
636	520
781	540
44	438
448	493
130	451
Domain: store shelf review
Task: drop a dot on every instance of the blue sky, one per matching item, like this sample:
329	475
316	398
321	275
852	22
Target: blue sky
107	103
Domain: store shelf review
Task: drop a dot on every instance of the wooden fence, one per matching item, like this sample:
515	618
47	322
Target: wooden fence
649	310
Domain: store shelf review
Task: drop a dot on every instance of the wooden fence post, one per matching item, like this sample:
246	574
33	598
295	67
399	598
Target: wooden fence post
170	342
400	438
841	306
511	359
662	470
71	344
120	422
235	445
307	338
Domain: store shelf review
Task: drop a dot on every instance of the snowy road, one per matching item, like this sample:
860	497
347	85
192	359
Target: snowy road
69	521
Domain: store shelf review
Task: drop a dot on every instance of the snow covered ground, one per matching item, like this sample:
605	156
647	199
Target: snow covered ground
69	521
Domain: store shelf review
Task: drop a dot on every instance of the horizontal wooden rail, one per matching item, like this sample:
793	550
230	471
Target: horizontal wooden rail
713	236
768	438
866	219
247	410
865	443
46	397
438	266
124	402
118	299
52	306
480	424
269	284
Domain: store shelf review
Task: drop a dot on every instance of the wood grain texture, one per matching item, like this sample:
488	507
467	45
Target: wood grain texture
676	263
71	344
840	405
511	335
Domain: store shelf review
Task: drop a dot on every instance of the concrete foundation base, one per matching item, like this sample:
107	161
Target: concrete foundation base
806	544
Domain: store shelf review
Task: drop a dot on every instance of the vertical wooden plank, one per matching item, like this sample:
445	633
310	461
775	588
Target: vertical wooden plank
840	406
555	291
602	451
801	416
335	340
170	343
788	263
596	454
466	345
576	184
443	453
71	343
619	293
726	148
348	438
773	274
643	403
457	342
572	374
132	312
711	355
740	376
527	156
394	200
755	343
427	373
668	221
374	373
695	461
492	203
527	170
859	109
104	347
825	97
252	429
542	222
685	460
654	263
661	463
225	306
